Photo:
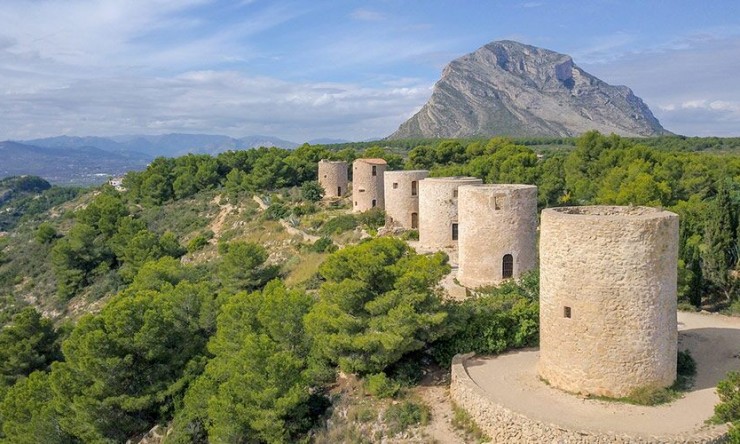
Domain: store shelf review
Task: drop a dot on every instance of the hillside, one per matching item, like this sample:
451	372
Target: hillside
217	283
508	88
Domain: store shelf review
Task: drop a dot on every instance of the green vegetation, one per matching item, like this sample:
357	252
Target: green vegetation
221	347
461	420
728	409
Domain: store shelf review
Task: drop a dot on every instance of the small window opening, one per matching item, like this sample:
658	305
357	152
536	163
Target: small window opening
507	268
324	176
339	191
375	170
414	220
355	203
374	203
454	193
454	232
395	185
414	190
361	190
566	312
496	203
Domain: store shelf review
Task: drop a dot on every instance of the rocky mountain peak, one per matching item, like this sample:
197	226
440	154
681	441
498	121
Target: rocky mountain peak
509	88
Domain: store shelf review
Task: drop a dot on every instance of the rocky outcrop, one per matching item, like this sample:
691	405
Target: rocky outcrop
507	88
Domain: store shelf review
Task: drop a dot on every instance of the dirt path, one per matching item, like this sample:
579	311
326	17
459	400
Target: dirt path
713	340
217	226
440	429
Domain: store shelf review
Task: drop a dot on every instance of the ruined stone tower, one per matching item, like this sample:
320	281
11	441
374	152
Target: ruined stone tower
498	233
367	184
402	198
608	298
333	177
438	224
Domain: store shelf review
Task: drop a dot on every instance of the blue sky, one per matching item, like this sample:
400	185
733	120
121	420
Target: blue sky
341	69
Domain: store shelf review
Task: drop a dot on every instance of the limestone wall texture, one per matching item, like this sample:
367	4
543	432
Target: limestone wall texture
438	210
367	184
402	198
608	298
505	426
333	177
495	221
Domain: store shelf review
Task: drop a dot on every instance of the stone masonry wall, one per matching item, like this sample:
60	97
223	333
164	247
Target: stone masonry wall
401	198
505	426
367	187
333	177
438	210
496	220
608	299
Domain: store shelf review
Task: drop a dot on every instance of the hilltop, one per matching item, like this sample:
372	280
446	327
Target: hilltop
508	88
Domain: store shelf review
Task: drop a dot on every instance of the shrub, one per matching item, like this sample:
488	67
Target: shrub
410	235
400	417
728	409
381	386
372	218
489	325
197	243
276	211
339	225
312	191
322	245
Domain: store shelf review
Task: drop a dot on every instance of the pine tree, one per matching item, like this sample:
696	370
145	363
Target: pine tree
719	239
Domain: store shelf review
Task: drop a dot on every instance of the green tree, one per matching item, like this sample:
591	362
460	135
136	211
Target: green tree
28	414
719	253
256	387
45	233
378	303
124	367
243	266
312	191
27	343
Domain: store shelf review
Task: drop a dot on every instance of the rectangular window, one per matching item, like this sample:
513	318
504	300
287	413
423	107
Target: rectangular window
566	312
374	203
454	193
414	220
454	231
339	191
414	190
395	185
375	170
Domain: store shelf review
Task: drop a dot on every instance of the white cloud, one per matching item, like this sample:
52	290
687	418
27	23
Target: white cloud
366	15
216	102
691	84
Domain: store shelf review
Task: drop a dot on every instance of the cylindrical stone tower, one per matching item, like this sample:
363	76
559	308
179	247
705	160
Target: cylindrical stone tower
367	184
608	299
402	198
333	177
438	225
498	233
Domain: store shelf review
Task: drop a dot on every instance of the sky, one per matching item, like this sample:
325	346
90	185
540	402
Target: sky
342	69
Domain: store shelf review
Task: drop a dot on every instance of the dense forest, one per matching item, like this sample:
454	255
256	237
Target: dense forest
226	337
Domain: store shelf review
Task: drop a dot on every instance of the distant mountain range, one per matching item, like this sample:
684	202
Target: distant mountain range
511	89
91	160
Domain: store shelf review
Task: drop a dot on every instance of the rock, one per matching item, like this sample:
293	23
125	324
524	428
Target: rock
508	88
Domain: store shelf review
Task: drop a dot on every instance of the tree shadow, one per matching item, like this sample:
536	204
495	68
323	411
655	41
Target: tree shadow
716	352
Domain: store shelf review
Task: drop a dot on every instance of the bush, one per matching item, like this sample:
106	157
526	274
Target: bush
373	218
323	245
302	210
410	235
276	211
400	417
197	243
339	225
728	409
489	325
379	385
312	191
